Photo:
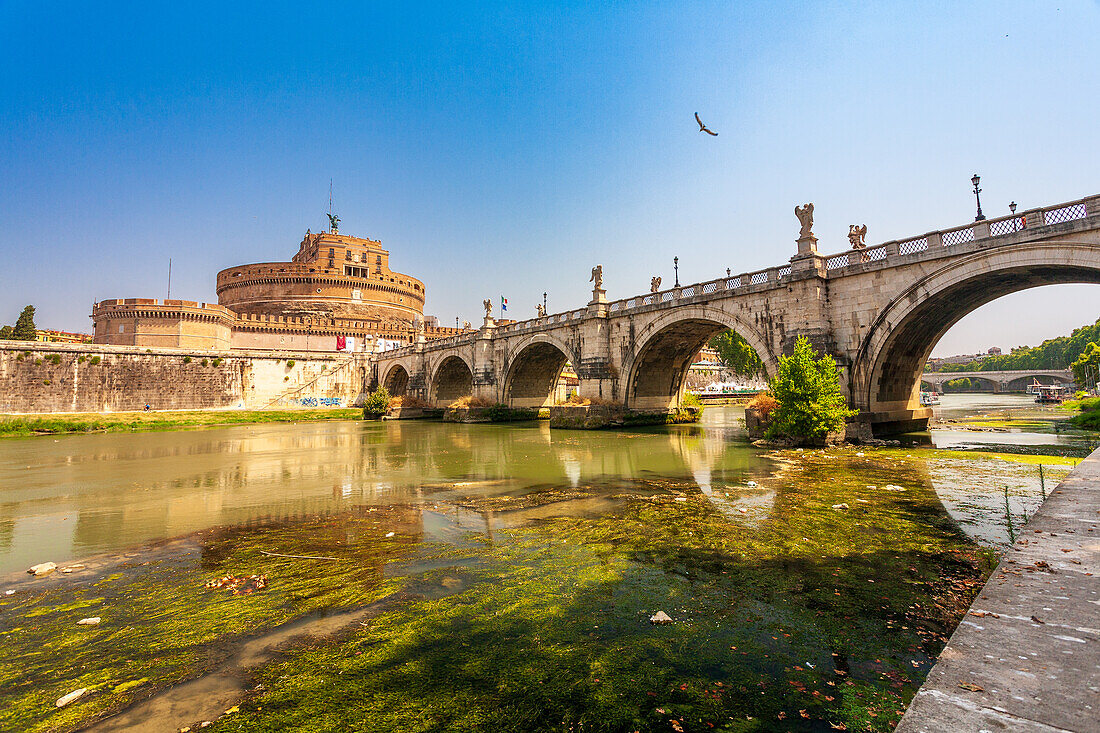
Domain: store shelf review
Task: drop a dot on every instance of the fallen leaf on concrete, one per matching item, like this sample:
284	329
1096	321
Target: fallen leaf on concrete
971	686
1037	620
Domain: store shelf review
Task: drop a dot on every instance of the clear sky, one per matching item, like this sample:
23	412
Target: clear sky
505	149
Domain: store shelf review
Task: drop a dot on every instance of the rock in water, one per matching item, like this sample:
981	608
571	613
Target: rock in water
42	568
74	695
660	618
840	506
94	620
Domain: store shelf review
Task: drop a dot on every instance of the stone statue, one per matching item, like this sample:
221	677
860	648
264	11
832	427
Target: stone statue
488	305
466	326
540	310
856	236
597	276
334	223
805	216
655	285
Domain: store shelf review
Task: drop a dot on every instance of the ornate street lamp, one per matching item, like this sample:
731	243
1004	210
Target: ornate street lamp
975	180
676	266
544	302
1012	208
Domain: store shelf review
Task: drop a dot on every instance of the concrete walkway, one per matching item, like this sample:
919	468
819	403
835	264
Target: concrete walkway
1027	656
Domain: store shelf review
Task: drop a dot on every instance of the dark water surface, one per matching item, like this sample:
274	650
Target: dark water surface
485	577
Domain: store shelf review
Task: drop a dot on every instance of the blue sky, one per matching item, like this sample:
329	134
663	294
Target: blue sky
505	149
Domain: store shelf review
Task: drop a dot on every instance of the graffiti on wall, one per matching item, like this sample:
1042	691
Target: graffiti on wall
320	401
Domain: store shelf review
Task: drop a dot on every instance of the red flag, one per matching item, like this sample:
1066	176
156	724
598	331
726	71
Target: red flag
341	343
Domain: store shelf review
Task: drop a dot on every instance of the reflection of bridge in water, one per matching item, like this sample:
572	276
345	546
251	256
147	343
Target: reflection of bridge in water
879	311
1009	380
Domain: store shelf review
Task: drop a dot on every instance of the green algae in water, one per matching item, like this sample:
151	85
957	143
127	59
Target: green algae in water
790	616
816	616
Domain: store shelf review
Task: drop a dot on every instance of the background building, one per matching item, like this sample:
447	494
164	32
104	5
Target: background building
337	293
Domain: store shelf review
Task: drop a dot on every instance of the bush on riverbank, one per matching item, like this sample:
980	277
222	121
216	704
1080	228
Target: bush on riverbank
376	404
1089	416
811	405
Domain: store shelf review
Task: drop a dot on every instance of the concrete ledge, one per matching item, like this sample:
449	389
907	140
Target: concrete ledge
1031	641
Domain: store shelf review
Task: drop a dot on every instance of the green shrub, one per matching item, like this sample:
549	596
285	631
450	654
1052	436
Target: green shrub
46	382
187	360
94	360
289	363
38	362
811	404
54	359
81	359
204	362
376	404
692	400
19	358
216	362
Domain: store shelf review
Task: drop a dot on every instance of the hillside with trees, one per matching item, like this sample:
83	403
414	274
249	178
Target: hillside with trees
1055	353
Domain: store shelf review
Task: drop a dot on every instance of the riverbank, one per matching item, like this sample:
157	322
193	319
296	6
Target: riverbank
28	425
1027	656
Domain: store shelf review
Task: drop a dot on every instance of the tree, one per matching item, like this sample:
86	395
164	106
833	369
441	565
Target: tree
811	404
376	404
1088	362
5	332
736	354
24	327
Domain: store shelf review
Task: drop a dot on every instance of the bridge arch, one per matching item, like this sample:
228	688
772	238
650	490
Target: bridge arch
396	380
886	373
451	379
534	366
655	375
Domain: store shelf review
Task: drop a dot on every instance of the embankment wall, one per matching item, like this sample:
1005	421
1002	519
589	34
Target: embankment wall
52	377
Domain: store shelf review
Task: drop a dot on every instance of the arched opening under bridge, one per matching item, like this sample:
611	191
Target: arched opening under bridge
533	374
453	379
886	377
396	381
656	376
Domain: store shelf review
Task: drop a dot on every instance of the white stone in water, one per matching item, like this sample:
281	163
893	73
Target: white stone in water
9	593
859	454
390	534
660	618
72	568
840	506
92	621
891	487
74	695
750	484
680	498
42	568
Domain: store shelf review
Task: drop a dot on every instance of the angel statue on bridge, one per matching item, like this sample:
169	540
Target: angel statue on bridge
597	276
856	235
805	216
488	306
655	284
540	311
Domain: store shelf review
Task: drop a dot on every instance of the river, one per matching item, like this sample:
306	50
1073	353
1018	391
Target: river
499	576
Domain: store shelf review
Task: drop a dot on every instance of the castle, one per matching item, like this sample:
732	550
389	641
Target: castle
337	293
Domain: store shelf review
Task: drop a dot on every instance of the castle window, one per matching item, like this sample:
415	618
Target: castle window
347	255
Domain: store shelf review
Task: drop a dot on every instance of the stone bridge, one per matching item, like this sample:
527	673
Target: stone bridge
878	310
1007	380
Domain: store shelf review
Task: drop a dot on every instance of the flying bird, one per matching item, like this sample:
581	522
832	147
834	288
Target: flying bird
702	127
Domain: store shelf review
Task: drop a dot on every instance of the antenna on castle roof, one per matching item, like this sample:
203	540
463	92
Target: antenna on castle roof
333	220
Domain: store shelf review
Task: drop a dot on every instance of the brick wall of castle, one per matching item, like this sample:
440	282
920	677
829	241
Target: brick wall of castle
53	377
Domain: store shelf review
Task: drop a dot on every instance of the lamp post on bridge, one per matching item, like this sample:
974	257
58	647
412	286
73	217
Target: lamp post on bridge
676	267
975	180
1012	208
544	302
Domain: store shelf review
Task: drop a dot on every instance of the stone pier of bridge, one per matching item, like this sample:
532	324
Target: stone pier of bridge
877	310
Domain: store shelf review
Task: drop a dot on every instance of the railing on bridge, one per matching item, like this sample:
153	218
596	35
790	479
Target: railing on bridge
1003	226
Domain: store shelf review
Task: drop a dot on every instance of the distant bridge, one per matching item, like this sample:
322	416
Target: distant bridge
1010	380
879	311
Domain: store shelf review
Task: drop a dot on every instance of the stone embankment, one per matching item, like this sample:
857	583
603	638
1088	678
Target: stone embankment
39	378
1027	655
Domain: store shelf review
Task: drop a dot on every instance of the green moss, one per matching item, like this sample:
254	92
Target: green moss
94	360
18	426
